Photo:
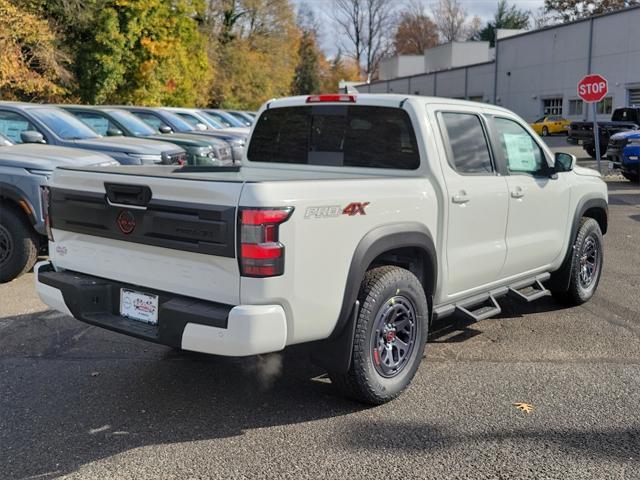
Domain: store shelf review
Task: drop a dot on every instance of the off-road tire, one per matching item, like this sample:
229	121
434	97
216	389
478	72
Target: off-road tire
19	241
577	294
362	382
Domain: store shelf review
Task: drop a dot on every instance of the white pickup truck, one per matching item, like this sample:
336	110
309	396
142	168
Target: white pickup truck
352	223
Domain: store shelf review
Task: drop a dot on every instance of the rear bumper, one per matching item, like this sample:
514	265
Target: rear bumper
183	322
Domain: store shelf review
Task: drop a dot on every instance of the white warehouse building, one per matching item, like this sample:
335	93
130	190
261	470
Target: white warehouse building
532	73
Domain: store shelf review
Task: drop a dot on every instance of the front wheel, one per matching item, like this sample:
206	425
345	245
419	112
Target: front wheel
18	244
545	132
390	336
586	264
591	151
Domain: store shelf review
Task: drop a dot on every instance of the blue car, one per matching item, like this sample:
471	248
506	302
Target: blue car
624	152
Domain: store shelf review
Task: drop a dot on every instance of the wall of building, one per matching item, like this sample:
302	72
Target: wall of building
401	66
542	67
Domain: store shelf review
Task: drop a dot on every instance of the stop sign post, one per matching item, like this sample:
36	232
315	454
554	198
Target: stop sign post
592	89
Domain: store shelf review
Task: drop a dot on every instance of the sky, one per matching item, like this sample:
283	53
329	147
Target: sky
482	8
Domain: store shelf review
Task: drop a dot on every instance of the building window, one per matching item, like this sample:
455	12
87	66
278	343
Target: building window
552	106
605	106
634	97
575	107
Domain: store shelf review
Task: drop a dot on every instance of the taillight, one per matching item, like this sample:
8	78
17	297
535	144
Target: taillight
45	194
261	254
332	97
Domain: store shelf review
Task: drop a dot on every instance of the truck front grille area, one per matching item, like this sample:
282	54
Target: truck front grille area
174	158
206	229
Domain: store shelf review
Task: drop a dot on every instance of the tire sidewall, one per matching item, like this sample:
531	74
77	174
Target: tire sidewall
588	229
23	246
411	289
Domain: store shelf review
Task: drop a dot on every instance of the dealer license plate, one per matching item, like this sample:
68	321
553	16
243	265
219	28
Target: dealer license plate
139	306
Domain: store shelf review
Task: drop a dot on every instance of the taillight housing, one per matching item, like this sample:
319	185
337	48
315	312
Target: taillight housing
260	253
45	195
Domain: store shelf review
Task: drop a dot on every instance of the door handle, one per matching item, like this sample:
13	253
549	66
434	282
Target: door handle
460	197
517	192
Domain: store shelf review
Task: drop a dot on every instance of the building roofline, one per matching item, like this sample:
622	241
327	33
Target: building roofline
572	22
425	73
529	32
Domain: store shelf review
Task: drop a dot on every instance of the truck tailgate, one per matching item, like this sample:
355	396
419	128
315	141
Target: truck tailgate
173	234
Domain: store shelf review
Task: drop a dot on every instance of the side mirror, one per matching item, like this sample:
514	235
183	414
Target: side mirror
201	126
564	162
31	136
165	129
114	132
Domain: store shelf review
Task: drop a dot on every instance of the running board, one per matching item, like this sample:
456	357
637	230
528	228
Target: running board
487	309
484	305
529	293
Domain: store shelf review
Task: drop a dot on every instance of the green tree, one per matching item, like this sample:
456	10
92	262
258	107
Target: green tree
568	10
31	65
307	74
147	52
506	16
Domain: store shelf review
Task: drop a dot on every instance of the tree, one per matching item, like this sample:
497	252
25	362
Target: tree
415	31
307	75
31	65
450	17
568	10
365	25
506	16
332	72
146	52
254	47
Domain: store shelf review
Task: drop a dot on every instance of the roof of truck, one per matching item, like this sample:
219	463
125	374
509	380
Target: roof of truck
382	99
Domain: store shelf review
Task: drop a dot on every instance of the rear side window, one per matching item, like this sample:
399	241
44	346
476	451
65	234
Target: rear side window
468	142
336	135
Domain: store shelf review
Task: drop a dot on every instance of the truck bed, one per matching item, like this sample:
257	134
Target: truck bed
231	174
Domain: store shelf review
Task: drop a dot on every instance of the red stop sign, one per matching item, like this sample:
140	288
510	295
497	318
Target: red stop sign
592	88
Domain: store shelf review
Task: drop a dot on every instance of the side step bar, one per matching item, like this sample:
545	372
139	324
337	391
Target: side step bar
485	305
483	311
529	293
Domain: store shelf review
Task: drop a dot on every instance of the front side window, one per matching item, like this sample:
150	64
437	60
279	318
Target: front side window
469	148
132	123
336	135
63	124
13	124
99	123
521	153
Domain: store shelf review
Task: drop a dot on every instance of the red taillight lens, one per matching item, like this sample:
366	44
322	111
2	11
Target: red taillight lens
332	97
261	254
46	203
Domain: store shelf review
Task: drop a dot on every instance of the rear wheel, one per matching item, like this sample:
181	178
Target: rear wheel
586	264
390	336
18	244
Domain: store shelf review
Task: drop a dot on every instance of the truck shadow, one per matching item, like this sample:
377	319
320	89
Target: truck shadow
62	408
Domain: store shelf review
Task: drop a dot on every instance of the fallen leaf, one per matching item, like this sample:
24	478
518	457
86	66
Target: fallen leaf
525	407
95	374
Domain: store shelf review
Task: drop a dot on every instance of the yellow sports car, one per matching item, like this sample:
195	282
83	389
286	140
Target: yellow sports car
551	124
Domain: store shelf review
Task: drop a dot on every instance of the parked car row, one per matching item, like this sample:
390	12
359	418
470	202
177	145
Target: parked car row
35	139
619	140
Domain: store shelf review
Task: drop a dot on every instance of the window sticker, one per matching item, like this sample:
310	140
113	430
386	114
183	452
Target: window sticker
520	152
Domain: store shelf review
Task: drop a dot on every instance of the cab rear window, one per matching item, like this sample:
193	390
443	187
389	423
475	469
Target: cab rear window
336	135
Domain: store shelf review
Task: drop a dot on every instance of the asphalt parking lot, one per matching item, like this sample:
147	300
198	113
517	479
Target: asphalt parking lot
80	402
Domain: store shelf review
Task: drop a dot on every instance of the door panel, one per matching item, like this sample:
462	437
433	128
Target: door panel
538	202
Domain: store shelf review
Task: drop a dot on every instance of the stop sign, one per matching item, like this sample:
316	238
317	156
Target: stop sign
592	88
